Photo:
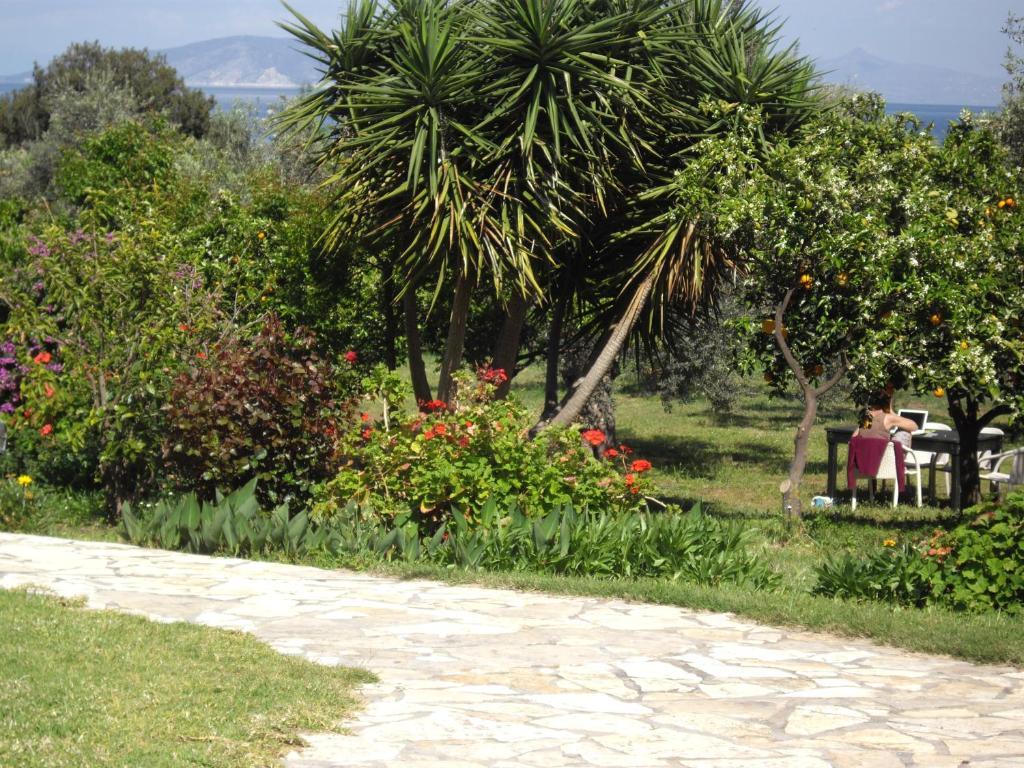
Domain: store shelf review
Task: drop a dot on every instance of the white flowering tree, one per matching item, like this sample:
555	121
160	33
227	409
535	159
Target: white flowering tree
825	274
960	333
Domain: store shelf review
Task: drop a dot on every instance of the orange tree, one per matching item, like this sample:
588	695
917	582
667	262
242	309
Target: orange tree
961	332
824	272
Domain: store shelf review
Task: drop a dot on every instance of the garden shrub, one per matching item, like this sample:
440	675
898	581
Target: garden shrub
453	458
98	326
978	566
267	407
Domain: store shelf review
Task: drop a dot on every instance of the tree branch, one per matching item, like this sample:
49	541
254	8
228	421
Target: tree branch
787	353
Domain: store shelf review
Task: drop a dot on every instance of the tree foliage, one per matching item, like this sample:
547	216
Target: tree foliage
155	86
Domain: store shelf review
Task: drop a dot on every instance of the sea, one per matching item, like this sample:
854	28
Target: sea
268	100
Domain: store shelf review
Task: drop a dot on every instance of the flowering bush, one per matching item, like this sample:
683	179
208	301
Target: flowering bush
92	345
455	457
268	407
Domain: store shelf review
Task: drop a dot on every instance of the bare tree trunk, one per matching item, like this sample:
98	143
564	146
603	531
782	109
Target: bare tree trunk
554	349
417	371
790	487
578	395
506	350
456	338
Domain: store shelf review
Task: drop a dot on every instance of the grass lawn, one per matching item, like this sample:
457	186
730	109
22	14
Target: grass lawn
81	687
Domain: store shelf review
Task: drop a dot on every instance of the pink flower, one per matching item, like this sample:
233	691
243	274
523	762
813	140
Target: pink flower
351	357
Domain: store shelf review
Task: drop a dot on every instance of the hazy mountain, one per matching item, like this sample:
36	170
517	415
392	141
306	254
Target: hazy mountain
22	78
273	62
911	83
243	61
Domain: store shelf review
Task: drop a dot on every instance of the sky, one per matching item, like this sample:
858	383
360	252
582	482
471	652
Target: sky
960	34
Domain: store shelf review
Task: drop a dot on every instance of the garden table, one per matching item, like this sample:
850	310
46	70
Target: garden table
934	441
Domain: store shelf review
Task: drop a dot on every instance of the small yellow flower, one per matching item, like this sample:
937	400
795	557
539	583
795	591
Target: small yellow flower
24	481
262	235
964	345
889	543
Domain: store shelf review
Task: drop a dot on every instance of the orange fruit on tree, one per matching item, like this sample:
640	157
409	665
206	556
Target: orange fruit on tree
806	281
939	392
935	319
842	278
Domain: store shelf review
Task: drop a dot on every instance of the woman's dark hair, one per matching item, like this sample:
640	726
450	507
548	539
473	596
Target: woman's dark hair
879	399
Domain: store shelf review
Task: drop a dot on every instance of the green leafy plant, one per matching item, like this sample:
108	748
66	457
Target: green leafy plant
982	561
232	523
690	547
975	567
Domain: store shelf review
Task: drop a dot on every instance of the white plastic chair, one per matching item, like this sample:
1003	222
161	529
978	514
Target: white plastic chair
985	463
924	458
1015	476
887	471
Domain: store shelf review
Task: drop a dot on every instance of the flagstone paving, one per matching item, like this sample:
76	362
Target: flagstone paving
484	677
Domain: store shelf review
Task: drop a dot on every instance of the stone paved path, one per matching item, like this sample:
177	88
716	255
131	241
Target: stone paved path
482	677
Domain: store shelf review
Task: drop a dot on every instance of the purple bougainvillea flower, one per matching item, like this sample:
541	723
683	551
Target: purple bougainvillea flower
7	408
38	247
55	367
7	348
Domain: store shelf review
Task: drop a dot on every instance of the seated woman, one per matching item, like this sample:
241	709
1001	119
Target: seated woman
880	420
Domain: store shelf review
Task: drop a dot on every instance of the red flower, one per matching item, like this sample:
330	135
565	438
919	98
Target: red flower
593	436
43	358
630	479
625	449
48	390
201	355
635	489
495	376
611	453
330	431
183	328
435	405
640	465
46	429
366	433
428	435
365	416
440	429
351	357
463	442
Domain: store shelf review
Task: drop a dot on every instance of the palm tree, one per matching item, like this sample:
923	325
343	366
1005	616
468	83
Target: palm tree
712	67
492	141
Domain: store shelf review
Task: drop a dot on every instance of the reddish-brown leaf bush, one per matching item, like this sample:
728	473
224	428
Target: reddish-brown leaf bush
267	407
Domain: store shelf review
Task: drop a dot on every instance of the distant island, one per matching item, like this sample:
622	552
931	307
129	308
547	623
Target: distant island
276	64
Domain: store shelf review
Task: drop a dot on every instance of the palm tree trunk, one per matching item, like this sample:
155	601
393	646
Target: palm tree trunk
506	350
387	299
578	395
417	371
456	338
553	352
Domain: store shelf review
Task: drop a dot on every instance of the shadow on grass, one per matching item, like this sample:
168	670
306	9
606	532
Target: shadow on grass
693	458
